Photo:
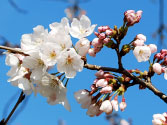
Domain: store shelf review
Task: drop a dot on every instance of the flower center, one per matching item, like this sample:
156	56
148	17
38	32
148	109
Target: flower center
53	55
141	52
69	60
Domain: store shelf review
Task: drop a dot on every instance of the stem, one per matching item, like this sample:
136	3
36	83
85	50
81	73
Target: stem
13	50
136	80
20	99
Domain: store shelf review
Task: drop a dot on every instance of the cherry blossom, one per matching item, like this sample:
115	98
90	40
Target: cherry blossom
69	62
81	28
106	107
142	53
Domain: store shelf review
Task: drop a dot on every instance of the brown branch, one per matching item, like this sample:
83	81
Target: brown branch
136	80
20	99
13	50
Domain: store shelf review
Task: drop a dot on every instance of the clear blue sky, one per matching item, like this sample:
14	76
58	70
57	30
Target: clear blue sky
141	105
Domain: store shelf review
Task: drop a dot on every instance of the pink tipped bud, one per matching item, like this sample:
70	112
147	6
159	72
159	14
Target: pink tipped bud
105	28
164	51
96	33
106	107
109	32
102	83
138	43
106	40
97	43
157	68
91	52
139	14
100	74
131	17
122	105
107	89
93	87
102	36
153	48
114	103
158	55
141	37
100	29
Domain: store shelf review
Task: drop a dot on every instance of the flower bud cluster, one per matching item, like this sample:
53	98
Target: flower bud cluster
130	17
161	67
104	35
160	119
96	105
141	51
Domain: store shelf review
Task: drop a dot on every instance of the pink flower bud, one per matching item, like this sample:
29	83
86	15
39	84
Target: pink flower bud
138	42
97	43
93	87
109	32
102	83
114	103
106	40
157	68
141	37
153	48
128	12
131	17
100	74
107	89
138	14
100	29
91	52
122	105
164	51
105	28
158	55
102	36
96	33
108	75
106	107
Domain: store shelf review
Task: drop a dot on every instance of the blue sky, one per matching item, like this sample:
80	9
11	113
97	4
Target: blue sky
141	104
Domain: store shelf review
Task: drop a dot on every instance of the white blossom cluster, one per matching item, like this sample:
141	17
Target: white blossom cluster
46	49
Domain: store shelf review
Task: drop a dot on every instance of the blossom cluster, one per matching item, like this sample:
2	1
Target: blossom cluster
161	65
160	119
105	85
43	50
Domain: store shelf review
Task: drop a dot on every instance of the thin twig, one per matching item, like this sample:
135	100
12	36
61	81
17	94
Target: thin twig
20	99
136	80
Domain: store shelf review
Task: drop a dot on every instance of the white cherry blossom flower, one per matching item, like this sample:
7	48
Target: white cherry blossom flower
35	65
106	107
158	119
34	40
82	46
114	103
49	53
93	110
62	39
63	26
52	88
84	98
81	28
142	53
69	62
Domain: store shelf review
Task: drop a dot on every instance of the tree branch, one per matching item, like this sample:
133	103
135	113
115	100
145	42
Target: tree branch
20	99
136	80
13	50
